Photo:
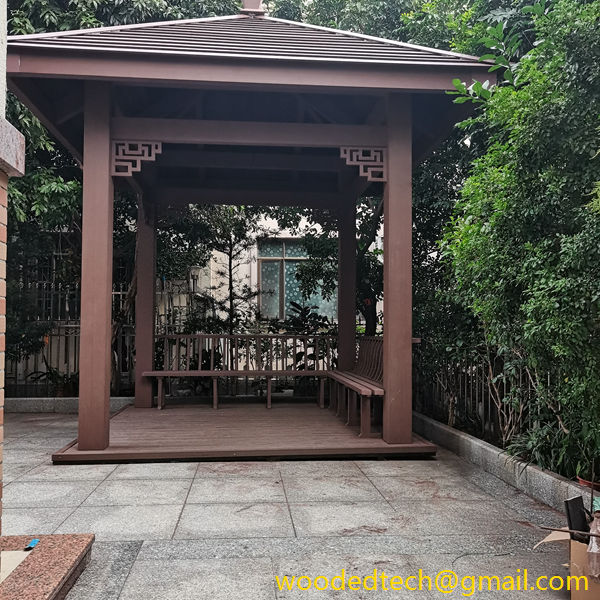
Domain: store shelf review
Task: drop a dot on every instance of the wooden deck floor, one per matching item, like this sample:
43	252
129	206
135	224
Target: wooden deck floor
234	431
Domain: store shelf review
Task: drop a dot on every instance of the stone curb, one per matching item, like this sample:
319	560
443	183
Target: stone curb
543	485
56	405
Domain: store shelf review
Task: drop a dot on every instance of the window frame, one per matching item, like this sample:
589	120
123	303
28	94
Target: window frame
282	286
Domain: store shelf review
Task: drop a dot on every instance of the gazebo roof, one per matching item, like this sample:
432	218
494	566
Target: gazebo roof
245	37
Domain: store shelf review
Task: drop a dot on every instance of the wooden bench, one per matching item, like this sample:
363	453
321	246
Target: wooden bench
349	389
160	376
352	393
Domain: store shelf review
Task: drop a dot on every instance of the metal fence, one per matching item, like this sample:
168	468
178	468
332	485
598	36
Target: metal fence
54	370
475	395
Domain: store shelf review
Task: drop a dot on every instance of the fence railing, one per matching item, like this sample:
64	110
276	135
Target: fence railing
54	370
474	395
243	353
60	303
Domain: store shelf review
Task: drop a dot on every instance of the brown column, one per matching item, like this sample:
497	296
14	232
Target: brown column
347	285
144	303
96	271
397	256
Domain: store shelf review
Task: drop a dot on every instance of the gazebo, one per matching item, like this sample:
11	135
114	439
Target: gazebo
244	109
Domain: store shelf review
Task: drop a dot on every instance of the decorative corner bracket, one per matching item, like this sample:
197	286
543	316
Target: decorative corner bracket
128	156
372	162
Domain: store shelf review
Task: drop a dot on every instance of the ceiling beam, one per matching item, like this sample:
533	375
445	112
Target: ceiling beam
178	197
249	133
250	161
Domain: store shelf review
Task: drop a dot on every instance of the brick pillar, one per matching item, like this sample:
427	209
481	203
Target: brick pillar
12	163
3	203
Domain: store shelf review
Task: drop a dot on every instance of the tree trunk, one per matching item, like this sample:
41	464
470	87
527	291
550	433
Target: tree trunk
368	309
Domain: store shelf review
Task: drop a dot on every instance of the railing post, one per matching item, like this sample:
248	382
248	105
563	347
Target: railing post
144	303
347	285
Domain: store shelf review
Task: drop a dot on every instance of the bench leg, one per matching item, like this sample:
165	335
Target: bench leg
215	392
365	416
352	408
322	392
378	411
160	400
269	392
342	399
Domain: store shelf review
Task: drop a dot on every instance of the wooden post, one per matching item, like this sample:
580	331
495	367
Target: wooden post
347	286
96	271
144	303
397	256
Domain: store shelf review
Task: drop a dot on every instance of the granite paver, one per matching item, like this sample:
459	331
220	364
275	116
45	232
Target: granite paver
226	529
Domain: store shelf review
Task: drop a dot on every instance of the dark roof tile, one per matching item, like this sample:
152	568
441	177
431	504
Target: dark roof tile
242	36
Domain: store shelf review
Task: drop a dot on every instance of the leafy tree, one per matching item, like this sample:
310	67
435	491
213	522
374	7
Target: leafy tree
525	240
233	232
47	200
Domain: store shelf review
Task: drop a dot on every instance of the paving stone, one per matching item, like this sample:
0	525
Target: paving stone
249	469
325	468
12	456
116	523
443	513
529	508
105	575
338	570
322	487
139	492
381	545
496	567
69	473
12	471
47	445
430	487
47	494
236	488
235	521
33	521
397	468
199	579
457	517
345	518
174	470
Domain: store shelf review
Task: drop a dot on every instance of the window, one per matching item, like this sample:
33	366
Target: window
278	260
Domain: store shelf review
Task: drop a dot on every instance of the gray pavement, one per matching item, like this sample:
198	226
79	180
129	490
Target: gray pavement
225	530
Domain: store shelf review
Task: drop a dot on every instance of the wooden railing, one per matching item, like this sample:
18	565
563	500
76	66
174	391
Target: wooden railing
246	353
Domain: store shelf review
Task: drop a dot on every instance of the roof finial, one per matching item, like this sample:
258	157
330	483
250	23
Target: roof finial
252	7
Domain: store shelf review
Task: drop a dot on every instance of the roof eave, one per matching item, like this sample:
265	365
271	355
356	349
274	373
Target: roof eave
246	56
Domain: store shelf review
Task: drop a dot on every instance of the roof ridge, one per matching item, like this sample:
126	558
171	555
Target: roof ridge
72	32
374	38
